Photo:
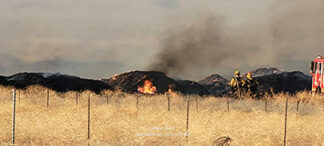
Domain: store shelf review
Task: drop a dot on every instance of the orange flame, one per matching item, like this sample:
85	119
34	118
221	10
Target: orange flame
114	77
170	91
148	88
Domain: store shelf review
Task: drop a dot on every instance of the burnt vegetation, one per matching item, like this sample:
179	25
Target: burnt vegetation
130	81
56	82
270	81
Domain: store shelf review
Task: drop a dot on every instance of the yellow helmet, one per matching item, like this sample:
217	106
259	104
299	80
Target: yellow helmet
249	75
237	73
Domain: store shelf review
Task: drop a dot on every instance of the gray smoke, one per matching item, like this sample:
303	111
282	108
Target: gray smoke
199	38
289	39
95	70
199	45
193	51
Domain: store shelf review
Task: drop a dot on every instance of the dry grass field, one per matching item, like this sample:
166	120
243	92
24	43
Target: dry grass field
118	121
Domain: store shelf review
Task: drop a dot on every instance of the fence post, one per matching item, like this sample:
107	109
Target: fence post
197	103
228	104
88	118
168	96
13	115
137	96
19	96
76	98
297	108
285	132
107	99
47	98
266	105
187	128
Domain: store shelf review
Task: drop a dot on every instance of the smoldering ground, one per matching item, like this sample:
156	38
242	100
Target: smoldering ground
288	39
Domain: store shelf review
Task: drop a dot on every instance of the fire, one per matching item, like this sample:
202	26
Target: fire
114	77
148	88
170	91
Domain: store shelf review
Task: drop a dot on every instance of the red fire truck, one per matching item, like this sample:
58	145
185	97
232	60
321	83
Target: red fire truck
317	75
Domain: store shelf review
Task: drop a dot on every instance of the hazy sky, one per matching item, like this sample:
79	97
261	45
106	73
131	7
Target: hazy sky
132	31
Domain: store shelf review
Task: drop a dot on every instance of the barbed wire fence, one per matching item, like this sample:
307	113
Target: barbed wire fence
43	116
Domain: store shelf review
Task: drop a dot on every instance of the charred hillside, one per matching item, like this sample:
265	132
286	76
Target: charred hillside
130	81
56	82
288	82
267	78
215	84
159	82
266	71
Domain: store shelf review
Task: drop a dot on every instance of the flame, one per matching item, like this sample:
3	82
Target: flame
170	91
114	77
148	88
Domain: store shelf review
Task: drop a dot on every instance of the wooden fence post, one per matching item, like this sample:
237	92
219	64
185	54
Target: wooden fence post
297	107
228	104
197	103
89	118
107	99
13	115
266	105
187	128
168	96
286	113
47	98
137	96
19	96
77	97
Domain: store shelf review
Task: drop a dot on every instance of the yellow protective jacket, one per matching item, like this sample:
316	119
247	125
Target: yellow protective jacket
251	84
237	80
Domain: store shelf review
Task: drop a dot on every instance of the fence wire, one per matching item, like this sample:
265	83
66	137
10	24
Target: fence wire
51	118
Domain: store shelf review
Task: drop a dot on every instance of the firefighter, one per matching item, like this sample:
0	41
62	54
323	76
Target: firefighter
251	84
237	83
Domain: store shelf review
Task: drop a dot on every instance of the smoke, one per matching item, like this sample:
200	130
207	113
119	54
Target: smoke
290	37
102	69
198	38
297	30
189	51
185	49
73	37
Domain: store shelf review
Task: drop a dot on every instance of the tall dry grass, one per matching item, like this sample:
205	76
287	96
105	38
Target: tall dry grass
119	122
